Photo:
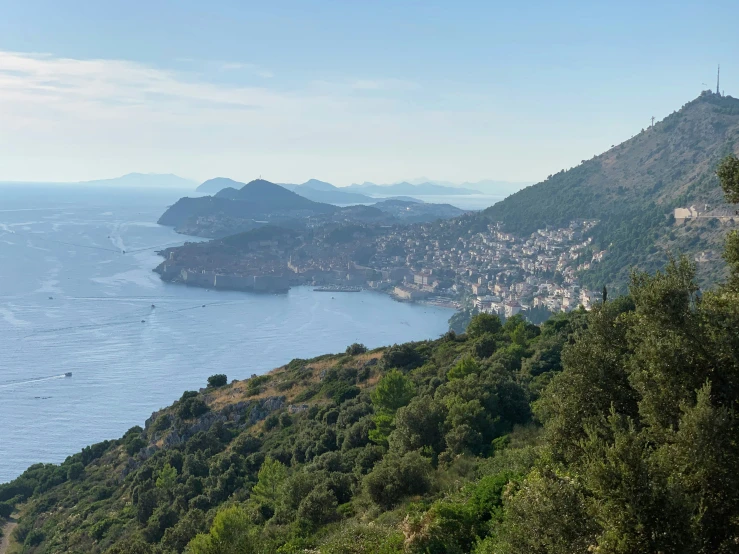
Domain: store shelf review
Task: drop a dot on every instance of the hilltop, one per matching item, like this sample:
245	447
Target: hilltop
235	210
212	186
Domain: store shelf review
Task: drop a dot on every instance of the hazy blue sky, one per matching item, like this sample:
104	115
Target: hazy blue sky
344	91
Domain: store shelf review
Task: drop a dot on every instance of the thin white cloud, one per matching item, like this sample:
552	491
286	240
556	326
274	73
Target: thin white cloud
226	65
383	84
70	119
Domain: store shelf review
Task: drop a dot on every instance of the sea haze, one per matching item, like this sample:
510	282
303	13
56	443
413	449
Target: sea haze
72	301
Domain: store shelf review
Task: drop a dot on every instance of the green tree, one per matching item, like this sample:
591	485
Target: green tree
356	348
397	477
484	323
547	515
75	471
485	346
466	366
728	174
703	459
167	478
319	506
231	533
217	380
419	425
269	479
393	391
384	424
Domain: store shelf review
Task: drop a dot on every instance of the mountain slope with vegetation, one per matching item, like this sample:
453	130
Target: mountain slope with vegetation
633	189
304	455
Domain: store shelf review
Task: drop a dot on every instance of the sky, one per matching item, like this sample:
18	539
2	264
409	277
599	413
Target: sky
344	91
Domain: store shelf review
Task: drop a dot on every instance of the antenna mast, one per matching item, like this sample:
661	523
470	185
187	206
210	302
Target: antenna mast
718	80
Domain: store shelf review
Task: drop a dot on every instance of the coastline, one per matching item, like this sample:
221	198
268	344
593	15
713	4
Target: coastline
213	281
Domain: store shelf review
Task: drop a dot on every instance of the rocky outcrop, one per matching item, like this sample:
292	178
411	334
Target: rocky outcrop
178	431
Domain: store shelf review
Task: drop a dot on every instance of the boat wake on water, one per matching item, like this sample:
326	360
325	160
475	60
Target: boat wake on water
16	382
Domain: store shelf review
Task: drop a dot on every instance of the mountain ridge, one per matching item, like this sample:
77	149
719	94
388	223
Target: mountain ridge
633	189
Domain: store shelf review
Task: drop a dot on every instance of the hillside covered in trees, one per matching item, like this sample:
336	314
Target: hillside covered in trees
613	431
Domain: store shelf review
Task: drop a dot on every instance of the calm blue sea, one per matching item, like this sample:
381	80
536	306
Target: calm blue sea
70	300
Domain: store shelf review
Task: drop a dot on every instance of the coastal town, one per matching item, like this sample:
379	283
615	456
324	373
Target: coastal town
503	274
457	262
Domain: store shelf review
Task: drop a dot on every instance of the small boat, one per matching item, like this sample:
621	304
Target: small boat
153	306
68	374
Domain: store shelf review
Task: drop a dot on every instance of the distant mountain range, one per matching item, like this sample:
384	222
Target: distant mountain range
144	180
318	191
240	207
321	191
485	186
423	189
313	189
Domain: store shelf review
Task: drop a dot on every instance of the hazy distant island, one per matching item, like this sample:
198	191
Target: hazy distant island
144	180
240	207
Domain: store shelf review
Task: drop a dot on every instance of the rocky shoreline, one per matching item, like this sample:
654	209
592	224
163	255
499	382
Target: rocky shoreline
212	280
269	284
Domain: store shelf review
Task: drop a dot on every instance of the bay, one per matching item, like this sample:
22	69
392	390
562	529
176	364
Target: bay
72	301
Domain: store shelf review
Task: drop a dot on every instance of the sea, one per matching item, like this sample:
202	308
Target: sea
78	295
